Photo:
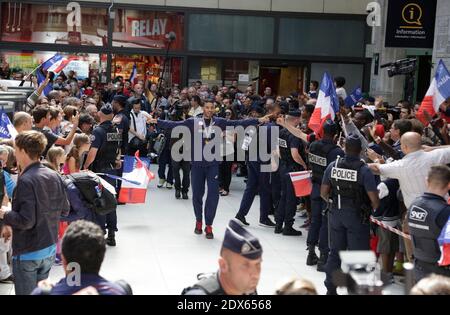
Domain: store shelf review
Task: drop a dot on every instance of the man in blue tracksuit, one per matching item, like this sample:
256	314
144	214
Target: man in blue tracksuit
205	167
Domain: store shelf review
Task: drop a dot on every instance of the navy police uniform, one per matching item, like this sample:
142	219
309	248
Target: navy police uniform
238	240
350	180
259	181
288	201
427	217
321	154
106	138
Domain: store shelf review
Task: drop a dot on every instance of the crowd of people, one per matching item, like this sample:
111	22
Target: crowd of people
371	160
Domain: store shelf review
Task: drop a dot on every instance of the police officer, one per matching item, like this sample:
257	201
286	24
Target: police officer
104	157
321	154
205	170
258	177
291	149
353	191
427	217
239	266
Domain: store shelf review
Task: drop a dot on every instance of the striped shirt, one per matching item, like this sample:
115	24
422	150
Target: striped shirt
412	171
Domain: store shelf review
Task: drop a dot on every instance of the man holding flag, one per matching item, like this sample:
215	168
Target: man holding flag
55	65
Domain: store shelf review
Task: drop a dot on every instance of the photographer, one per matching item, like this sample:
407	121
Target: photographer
137	134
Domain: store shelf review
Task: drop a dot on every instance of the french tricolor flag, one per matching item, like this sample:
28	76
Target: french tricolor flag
302	183
437	93
57	63
137	177
327	105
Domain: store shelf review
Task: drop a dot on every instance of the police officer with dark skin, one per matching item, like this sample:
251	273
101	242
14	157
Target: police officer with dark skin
291	149
352	188
321	153
239	265
104	157
427	217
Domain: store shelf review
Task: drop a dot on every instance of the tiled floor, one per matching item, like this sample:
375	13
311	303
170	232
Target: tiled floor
158	253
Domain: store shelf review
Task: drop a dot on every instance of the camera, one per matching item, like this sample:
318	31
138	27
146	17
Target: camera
399	67
360	273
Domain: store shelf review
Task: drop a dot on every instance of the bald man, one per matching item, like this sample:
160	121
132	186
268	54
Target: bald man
412	170
139	94
22	121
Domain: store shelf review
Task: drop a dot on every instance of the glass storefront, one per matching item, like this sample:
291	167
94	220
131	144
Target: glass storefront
148	68
84	65
50	24
227	44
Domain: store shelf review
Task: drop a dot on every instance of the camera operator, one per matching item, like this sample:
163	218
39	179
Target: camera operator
179	113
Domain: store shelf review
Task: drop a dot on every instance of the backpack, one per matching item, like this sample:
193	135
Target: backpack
78	208
95	195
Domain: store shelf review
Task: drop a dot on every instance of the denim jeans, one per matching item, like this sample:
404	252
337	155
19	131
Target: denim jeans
27	273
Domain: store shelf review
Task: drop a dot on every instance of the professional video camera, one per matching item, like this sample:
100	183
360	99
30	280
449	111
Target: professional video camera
360	273
403	66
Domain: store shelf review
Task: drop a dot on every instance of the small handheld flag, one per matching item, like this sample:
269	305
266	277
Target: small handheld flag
437	93
7	129
354	97
302	183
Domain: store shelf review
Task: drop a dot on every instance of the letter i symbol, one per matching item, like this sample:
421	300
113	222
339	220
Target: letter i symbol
411	13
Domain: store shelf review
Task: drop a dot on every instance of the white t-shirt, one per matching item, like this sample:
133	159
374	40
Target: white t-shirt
341	93
141	123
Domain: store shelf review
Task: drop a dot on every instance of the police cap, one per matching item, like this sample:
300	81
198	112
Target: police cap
107	109
240	241
330	127
121	99
353	141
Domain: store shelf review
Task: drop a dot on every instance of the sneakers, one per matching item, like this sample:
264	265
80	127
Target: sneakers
185	196
111	240
242	220
398	268
177	194
161	182
198	227
169	185
312	258
290	231
303	214
208	231
9	280
278	228
267	223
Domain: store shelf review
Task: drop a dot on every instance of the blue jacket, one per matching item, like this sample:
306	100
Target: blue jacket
37	204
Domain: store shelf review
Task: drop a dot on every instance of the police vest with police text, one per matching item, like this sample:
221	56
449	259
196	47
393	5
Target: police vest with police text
423	229
285	151
109	149
317	157
345	182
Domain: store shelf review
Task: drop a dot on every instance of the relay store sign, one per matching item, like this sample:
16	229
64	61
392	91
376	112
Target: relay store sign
148	29
154	27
